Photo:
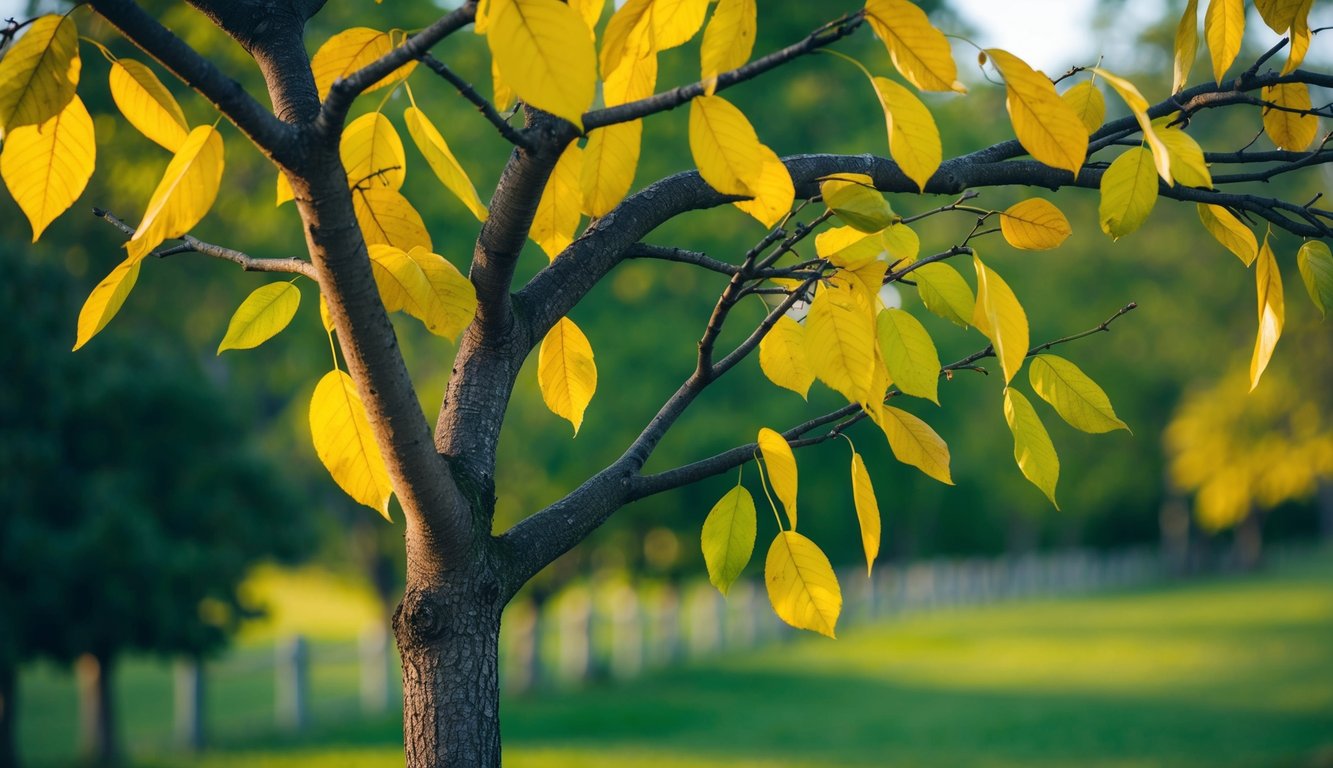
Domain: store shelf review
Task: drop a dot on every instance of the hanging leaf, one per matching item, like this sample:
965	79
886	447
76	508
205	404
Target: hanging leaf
913	442
106	300
1045	125
1188	166
1272	312
1229	231
1316	266
1032	445
147	104
446	167
39	73
728	40
324	318
263	315
724	146
349	51
557	217
675	22
945	292
1224	29
914	141
184	195
1139	106
1187	45
1077	398
609	163
1000	318
345	442
773	191
728	537
542	49
853	197
451	300
902	244
284	189
628	35
1128	192
634	79
372	153
909	354
386	217
590	11
1300	36
919	50
867	510
783	357
46	167
840	338
780	464
566	372
502	95
1088	103
1034	225
848	247
402	284
801	584
1290	130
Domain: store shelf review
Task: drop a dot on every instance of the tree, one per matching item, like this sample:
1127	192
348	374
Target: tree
131	512
370	253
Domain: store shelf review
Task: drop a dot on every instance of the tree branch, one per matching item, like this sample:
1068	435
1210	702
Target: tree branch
191	244
465	89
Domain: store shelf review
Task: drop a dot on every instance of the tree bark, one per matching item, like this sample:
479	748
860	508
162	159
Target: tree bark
97	720
9	757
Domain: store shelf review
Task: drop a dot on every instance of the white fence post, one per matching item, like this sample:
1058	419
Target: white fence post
292	683
373	657
188	674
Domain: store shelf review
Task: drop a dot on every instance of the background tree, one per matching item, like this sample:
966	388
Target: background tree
370	251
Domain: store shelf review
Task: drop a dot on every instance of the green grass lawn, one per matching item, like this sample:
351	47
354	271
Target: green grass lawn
1230	672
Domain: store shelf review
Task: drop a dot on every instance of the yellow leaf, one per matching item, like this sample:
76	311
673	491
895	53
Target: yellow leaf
867	279
1272	312
1128	192
945	292
183	196
1229	231
1316	266
46	167
566	372
919	50
628	35
1000	318
263	315
725	147
913	442
590	11
386	217
502	95
674	22
557	216
372	153
1187	45
1224	28
840	339
728	40
849	247
1300	36
901	242
106	300
39	73
853	197
1034	225
1088	103
1077	398
728	537
446	167
1139	106
801	584
345	443
147	104
914	141
909	354
451	301
284	189
780	464
1187	164
543	52
609	163
324	318
1289	130
349	51
783	357
1279	15
867	510
634	79
1046	126
773	191
402	284
1032	445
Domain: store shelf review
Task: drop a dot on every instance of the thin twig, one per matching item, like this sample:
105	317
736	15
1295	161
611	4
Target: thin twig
190	244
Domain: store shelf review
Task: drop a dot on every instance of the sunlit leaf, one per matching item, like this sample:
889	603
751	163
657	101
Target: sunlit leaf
1188	166
1290	130
1229	231
46	167
634	79
543	52
919	50
345	442
801	584
147	104
780	464
1316	266
451	300
1034	225
402	285
628	35
1139	106
1272	311
783	357
39	73
566	372
557	217
1077	398
853	197
1128	192
728	40
849	247
284	189
724	146
106	299
446	167
609	163
1088	103
909	354
867	510
902	243
914	141
590	11
184	195
1186	45
773	191
945	292
913	442
372	153
386	217
349	51
674	22
1000	317
1046	126
1033	449
840	338
1300	36
1224	29
728	537
263	315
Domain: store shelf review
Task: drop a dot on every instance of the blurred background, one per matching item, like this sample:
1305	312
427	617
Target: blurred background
181	583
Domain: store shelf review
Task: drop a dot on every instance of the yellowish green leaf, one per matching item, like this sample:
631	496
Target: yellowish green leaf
728	40
773	191
840	339
372	153
1272	311
1139	106
46	167
1000	318
1290	130
1077	398
263	315
725	147
1316	266
780	464
386	217
849	247
1033	449
909	354
867	279
1128	192
184	195
853	197
446	167
544	54
1046	126
106	300
1188	166
147	104
867	510
39	73
914	141
1186	46
1224	29
349	51
345	442
557	217
1229	231
919	50
609	163
801	584
945	292
566	372
913	442
728	537
784	359
1034	225
1088	103
902	243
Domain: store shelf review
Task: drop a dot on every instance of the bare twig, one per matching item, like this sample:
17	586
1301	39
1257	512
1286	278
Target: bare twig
190	244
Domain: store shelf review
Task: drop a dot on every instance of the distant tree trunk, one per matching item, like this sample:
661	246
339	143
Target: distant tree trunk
1173	520
1249	541
97	717
1325	502
9	757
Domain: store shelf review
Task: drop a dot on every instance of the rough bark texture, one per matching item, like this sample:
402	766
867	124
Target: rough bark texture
8	691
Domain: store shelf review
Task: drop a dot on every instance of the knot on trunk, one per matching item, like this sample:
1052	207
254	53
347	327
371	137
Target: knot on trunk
421	618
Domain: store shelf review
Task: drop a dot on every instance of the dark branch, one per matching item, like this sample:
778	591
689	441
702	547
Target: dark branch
484	106
190	244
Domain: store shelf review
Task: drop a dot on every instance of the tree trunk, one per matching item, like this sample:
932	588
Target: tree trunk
9	757
97	721
1325	502
1249	542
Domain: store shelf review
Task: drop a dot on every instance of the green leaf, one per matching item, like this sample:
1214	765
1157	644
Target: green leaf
1077	398
909	353
1032	445
728	537
1316	266
263	314
801	584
